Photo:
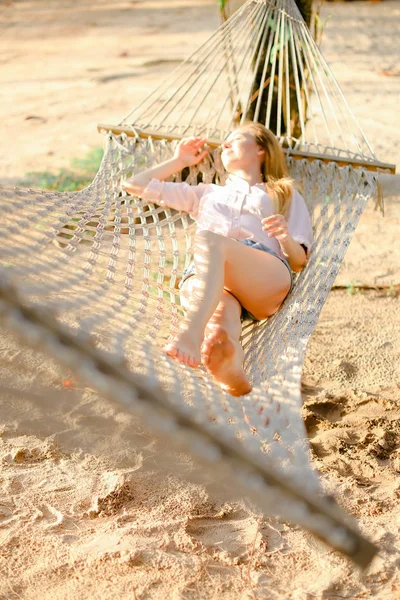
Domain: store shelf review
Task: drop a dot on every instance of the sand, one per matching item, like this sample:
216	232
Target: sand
85	510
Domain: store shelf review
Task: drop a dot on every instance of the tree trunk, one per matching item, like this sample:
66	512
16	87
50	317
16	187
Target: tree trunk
305	7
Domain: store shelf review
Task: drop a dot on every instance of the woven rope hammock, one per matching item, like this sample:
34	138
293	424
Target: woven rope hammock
92	276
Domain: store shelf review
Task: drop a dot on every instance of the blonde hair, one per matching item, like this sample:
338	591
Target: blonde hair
273	169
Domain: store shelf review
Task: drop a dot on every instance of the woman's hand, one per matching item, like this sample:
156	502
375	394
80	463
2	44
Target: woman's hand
190	151
129	186
276	226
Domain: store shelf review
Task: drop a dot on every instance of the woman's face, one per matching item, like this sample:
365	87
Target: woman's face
240	152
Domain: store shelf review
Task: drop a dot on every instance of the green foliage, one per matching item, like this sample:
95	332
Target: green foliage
90	162
67	180
319	25
393	290
222	3
354	287
63	181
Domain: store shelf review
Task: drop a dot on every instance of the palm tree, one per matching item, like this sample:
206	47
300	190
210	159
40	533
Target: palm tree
305	7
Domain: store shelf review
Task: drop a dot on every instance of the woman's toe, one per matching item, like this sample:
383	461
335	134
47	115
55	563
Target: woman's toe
194	362
171	350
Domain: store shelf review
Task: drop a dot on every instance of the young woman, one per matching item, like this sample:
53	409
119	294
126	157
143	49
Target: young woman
251	234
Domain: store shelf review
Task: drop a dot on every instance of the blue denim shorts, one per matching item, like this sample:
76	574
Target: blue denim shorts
246	315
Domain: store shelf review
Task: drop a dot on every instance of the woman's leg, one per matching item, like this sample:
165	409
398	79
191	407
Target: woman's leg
221	352
258	280
206	295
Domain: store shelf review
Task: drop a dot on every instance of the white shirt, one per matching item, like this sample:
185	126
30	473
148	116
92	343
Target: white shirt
234	209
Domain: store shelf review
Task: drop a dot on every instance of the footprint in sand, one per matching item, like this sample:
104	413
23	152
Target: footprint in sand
329	410
233	535
112	494
6	515
48	516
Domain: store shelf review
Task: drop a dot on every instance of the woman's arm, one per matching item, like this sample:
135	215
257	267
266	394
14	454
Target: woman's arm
189	151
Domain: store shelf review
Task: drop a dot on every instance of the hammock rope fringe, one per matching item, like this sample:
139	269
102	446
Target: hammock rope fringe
91	276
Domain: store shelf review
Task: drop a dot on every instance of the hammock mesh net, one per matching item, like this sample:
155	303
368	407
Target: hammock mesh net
92	276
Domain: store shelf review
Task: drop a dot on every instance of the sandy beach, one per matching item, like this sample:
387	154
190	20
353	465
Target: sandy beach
85	510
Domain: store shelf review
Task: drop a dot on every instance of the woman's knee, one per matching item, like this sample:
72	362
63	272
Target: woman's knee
209	239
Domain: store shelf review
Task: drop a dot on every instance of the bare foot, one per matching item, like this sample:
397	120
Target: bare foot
223	358
185	347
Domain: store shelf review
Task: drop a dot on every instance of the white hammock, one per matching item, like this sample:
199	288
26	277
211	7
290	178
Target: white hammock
92	276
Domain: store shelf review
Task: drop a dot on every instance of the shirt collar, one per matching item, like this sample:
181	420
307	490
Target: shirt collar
241	185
